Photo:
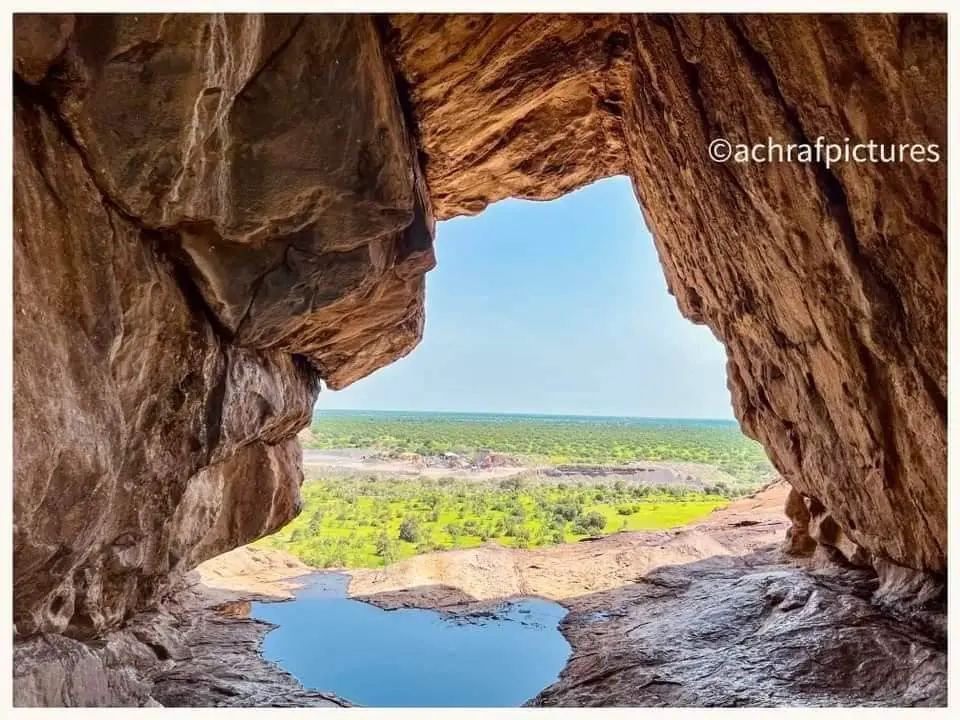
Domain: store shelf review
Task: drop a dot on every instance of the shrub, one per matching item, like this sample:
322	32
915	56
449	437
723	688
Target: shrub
410	529
454	531
511	483
592	522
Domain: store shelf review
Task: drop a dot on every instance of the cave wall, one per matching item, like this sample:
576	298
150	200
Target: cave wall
214	213
211	214
827	286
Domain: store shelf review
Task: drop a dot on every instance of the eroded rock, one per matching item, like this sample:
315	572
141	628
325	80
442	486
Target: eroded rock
193	653
798	541
127	399
741	632
522	106
827	286
56	671
192	257
213	213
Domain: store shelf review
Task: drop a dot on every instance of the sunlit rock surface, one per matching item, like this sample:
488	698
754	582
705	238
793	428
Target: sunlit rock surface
213	213
826	285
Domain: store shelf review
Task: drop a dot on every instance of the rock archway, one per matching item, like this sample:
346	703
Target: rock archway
214	213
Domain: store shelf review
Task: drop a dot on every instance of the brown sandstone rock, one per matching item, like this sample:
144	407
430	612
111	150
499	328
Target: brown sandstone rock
212	213
826	285
291	194
514	105
126	400
38	41
798	541
826	533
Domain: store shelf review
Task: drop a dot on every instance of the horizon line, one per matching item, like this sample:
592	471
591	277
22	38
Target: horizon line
521	413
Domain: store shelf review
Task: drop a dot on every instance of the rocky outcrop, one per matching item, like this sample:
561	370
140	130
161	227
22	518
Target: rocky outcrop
133	415
745	632
827	285
493	573
521	106
191	257
798	541
196	652
214	213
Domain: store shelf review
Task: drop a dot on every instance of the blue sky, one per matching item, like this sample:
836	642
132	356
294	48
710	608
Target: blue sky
552	307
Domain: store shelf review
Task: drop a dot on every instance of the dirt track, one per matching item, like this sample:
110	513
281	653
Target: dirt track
352	462
356	461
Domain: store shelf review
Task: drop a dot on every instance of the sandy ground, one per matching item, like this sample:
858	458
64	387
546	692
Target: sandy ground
252	572
358	461
353	462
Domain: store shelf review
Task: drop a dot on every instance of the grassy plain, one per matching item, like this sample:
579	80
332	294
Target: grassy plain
355	522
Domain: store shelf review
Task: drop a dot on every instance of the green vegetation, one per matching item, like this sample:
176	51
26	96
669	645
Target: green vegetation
554	440
374	521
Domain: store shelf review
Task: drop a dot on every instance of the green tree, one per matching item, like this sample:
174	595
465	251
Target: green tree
454	531
511	483
592	522
410	529
383	544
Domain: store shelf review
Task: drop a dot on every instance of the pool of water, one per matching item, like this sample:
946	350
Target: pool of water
414	658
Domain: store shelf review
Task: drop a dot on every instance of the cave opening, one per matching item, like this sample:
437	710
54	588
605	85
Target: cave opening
826	285
552	354
558	411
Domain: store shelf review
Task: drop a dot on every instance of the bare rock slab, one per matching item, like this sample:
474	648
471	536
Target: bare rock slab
745	632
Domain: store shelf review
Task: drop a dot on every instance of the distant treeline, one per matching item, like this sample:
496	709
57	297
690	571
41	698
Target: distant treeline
551	439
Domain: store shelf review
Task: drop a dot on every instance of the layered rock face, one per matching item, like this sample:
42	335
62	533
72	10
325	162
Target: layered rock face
827	285
743	631
213	213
